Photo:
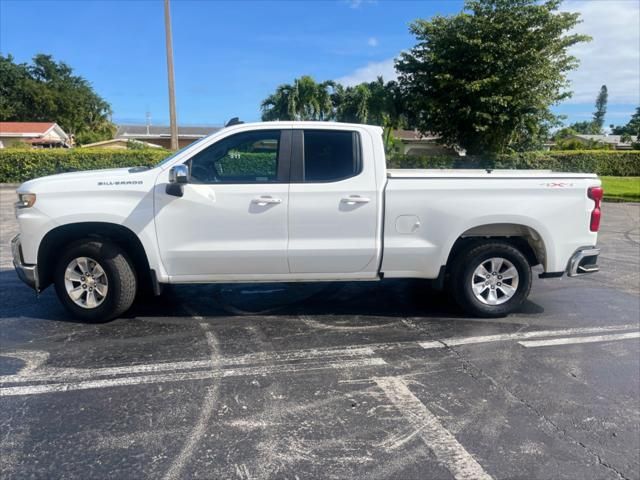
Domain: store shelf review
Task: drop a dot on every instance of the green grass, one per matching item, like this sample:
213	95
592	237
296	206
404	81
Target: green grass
621	188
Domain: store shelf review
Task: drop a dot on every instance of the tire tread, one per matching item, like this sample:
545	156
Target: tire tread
463	262
114	258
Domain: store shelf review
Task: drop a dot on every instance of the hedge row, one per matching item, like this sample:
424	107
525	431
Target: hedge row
603	162
20	165
249	164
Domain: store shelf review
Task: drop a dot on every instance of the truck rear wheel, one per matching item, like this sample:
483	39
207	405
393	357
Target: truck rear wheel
492	279
95	280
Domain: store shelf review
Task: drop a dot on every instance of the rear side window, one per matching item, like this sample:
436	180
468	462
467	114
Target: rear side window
330	155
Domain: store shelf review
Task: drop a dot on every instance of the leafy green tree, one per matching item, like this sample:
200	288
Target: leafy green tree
601	109
575	144
631	128
47	90
564	133
585	127
484	79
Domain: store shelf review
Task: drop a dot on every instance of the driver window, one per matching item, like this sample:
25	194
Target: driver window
249	157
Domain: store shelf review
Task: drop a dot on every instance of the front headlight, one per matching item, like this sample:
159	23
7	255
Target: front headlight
26	200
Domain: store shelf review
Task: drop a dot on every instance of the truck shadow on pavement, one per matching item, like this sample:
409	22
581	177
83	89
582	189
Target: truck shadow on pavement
370	300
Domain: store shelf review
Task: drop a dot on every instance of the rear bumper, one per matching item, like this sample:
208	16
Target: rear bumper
27	273
583	261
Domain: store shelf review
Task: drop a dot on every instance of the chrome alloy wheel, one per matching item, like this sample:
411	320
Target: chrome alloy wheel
495	281
86	282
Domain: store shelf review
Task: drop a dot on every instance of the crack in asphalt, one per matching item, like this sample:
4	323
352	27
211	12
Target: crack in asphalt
468	367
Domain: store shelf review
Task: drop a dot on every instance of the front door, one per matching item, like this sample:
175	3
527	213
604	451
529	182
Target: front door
333	205
232	218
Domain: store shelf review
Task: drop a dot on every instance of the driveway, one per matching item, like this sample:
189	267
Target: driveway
353	380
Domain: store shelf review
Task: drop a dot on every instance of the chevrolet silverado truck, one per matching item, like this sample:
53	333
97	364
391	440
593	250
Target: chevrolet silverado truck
300	202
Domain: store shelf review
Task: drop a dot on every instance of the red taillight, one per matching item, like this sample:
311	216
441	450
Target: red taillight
595	194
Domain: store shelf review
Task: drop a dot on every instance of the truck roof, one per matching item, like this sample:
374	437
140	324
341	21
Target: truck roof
311	124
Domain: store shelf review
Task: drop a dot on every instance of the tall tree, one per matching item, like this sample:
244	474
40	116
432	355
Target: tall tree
47	90
485	79
601	109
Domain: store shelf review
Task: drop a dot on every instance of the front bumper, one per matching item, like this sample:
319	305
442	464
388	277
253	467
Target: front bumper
583	261
27	273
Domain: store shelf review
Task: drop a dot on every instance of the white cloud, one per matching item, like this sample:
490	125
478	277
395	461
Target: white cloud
370	72
372	42
358	3
612	58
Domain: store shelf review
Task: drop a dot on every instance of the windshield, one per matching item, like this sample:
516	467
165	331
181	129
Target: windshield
177	152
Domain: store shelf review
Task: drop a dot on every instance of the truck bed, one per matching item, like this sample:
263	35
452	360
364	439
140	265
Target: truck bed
481	173
426	211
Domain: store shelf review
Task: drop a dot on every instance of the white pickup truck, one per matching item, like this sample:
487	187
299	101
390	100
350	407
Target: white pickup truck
298	202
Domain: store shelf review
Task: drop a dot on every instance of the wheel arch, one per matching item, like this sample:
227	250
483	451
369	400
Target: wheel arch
524	237
122	236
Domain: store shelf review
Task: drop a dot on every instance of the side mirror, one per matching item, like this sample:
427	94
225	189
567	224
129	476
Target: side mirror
178	177
179	174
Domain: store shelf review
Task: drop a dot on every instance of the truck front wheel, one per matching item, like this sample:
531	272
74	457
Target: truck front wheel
95	280
492	279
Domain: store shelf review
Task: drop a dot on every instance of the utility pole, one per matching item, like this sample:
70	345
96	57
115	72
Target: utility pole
172	93
148	116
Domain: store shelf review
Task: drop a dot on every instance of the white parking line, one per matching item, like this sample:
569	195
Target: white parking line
442	443
104	383
455	341
68	374
184	376
572	340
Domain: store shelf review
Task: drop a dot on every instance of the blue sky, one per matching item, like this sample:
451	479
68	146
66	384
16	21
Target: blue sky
229	55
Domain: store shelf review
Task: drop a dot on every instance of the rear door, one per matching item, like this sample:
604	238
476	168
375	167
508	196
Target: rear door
333	205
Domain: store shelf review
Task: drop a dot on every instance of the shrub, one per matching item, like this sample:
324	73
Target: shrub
602	162
252	164
21	165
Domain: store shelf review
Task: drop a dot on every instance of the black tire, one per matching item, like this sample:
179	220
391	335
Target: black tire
466	263
122	282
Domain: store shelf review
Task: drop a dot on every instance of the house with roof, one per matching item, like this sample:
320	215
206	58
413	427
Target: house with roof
161	135
36	134
120	144
616	142
412	142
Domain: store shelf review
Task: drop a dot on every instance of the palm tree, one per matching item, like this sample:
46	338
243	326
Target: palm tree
377	102
277	105
304	100
324	93
352	103
303	103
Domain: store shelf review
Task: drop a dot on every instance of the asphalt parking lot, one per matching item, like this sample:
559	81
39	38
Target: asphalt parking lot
354	380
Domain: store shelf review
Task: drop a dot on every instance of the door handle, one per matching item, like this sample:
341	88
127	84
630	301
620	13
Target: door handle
266	200
354	199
